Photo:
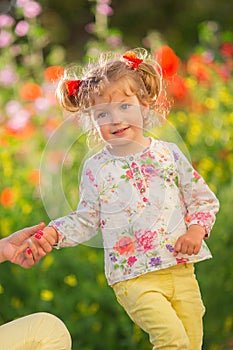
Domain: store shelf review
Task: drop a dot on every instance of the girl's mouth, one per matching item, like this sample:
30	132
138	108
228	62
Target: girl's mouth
120	131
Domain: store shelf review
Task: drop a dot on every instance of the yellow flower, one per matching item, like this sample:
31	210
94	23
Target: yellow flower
191	83
211	103
1	289
27	208
5	227
47	261
96	327
228	323
94	307
225	97
16	302
46	295
101	279
71	280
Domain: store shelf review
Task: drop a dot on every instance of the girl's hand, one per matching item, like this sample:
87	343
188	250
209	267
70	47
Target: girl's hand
190	243
40	244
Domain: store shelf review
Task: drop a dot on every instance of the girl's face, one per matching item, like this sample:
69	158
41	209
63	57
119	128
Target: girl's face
119	120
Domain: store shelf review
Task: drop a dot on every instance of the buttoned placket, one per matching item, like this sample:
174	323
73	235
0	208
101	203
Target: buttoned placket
139	179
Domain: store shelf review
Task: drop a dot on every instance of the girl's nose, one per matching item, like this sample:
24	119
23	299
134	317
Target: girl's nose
115	117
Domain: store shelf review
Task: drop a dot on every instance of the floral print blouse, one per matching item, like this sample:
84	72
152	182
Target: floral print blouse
141	203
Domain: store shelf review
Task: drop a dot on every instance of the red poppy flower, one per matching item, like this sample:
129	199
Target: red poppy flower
226	49
178	87
53	73
7	197
196	67
168	60
72	87
132	59
30	91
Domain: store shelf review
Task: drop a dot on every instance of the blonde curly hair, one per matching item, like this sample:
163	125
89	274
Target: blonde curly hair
142	74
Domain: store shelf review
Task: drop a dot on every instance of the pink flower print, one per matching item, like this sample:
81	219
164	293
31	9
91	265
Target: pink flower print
90	175
139	184
134	165
147	155
202	218
182	260
149	170
102	223
124	246
129	174
145	241
196	175
131	260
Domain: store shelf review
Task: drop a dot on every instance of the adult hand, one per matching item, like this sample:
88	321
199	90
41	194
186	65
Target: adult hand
12	248
190	242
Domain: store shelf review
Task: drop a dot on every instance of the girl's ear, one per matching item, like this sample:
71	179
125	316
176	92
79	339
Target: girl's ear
145	103
144	107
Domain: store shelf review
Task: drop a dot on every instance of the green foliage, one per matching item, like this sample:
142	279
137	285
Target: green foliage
70	283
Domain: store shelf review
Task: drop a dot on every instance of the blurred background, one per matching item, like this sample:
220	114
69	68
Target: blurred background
193	41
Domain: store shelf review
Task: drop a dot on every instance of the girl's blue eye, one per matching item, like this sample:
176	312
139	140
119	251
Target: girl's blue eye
102	115
125	106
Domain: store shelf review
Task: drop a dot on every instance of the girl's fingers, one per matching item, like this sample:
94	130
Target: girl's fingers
45	243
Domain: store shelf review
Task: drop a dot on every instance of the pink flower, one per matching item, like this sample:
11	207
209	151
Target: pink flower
201	216
90	175
131	260
15	50
22	28
129	174
196	175
6	21
145	241
8	76
104	9
6	38
19	121
21	3
42	104
12	107
114	40
31	9
182	260
149	170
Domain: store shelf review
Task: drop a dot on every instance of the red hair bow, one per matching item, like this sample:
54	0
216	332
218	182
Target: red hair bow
72	87
132	59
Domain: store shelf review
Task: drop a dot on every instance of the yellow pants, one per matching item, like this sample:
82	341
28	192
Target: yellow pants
33	332
167	305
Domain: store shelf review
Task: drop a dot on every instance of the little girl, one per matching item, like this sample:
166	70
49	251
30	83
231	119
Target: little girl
153	209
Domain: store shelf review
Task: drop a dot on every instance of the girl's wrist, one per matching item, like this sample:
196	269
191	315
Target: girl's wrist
198	229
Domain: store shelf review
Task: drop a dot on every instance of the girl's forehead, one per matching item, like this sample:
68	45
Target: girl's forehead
114	92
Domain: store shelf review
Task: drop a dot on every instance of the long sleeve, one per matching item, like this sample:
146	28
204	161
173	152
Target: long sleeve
83	224
200	202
